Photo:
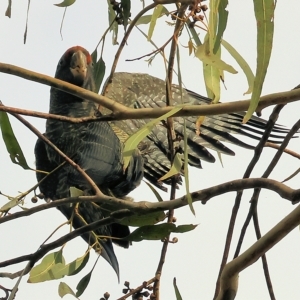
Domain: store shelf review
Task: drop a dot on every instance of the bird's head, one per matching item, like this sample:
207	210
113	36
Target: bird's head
76	67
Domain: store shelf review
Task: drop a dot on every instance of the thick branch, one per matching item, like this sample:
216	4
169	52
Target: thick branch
230	273
144	207
120	112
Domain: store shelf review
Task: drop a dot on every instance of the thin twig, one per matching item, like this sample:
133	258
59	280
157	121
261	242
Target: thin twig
264	257
287	151
171	138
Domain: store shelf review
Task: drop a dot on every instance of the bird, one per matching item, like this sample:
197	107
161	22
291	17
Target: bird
94	146
137	90
97	146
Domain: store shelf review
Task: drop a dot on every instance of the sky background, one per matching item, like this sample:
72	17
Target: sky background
195	259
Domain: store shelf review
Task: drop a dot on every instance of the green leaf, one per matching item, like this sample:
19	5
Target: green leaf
146	19
264	14
156	14
11	143
209	58
75	192
65	3
155	192
148	219
186	172
99	70
242	63
132	142
83	283
212	24
222	22
176	167
126	6
177	293
48	269
114	25
184	228
64	289
151	232
76	266
157	232
10	204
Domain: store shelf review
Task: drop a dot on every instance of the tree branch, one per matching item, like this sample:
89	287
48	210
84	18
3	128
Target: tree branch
229	277
121	112
145	207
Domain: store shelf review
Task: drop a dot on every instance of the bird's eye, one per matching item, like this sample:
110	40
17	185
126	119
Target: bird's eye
61	62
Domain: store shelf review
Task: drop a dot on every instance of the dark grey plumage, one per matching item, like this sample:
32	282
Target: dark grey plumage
142	90
93	146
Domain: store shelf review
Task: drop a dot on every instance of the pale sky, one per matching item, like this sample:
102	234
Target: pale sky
195	259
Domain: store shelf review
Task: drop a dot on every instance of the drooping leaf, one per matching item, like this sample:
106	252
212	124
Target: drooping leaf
186	172
146	19
222	23
156	14
264	14
155	192
64	289
157	232
48	269
175	168
211	76
113	25
190	47
12	203
76	265
242	63
99	70
177	293
83	283
133	141
65	3
11	143
209	58
126	7
212	24
143	220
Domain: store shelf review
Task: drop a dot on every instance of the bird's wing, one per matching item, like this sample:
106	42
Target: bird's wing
143	90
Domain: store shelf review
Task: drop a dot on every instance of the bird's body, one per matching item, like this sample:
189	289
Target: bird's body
93	146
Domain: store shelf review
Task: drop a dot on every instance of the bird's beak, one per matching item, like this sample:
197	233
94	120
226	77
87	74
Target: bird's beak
78	66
